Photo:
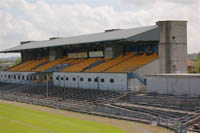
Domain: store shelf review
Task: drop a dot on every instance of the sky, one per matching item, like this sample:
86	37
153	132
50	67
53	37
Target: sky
23	20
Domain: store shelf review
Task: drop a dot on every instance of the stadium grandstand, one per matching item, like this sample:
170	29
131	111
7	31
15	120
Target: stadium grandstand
116	58
116	51
105	73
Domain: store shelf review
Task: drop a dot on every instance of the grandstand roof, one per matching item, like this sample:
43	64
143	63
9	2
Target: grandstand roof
147	33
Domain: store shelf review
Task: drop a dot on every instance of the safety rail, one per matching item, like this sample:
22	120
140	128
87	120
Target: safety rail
104	103
99	109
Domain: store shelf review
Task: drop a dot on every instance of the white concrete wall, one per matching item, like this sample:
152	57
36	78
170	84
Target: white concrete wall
185	85
134	85
150	68
120	80
4	77
96	54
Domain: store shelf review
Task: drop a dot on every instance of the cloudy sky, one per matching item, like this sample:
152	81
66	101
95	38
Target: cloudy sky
22	20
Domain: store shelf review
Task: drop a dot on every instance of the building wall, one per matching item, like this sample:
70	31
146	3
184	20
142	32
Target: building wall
108	51
150	68
117	50
25	56
74	80
96	54
119	81
173	46
59	52
184	85
15	77
52	54
134	85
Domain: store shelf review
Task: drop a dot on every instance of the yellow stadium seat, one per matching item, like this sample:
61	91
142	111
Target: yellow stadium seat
79	66
15	68
133	63
28	65
50	64
110	63
32	65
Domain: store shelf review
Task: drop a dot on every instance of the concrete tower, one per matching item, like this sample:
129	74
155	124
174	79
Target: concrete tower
173	46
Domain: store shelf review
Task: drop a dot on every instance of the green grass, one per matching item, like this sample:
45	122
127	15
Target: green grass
15	119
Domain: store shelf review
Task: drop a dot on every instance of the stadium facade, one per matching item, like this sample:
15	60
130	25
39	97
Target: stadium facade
117	59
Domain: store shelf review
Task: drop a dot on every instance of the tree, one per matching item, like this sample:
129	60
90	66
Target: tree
17	61
197	64
198	55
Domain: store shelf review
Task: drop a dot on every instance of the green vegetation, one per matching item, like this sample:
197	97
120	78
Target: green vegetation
8	62
15	119
196	68
3	61
17	61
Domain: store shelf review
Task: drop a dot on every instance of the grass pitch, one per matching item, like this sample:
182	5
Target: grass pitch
15	119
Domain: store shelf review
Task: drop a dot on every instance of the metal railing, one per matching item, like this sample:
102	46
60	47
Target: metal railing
100	109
